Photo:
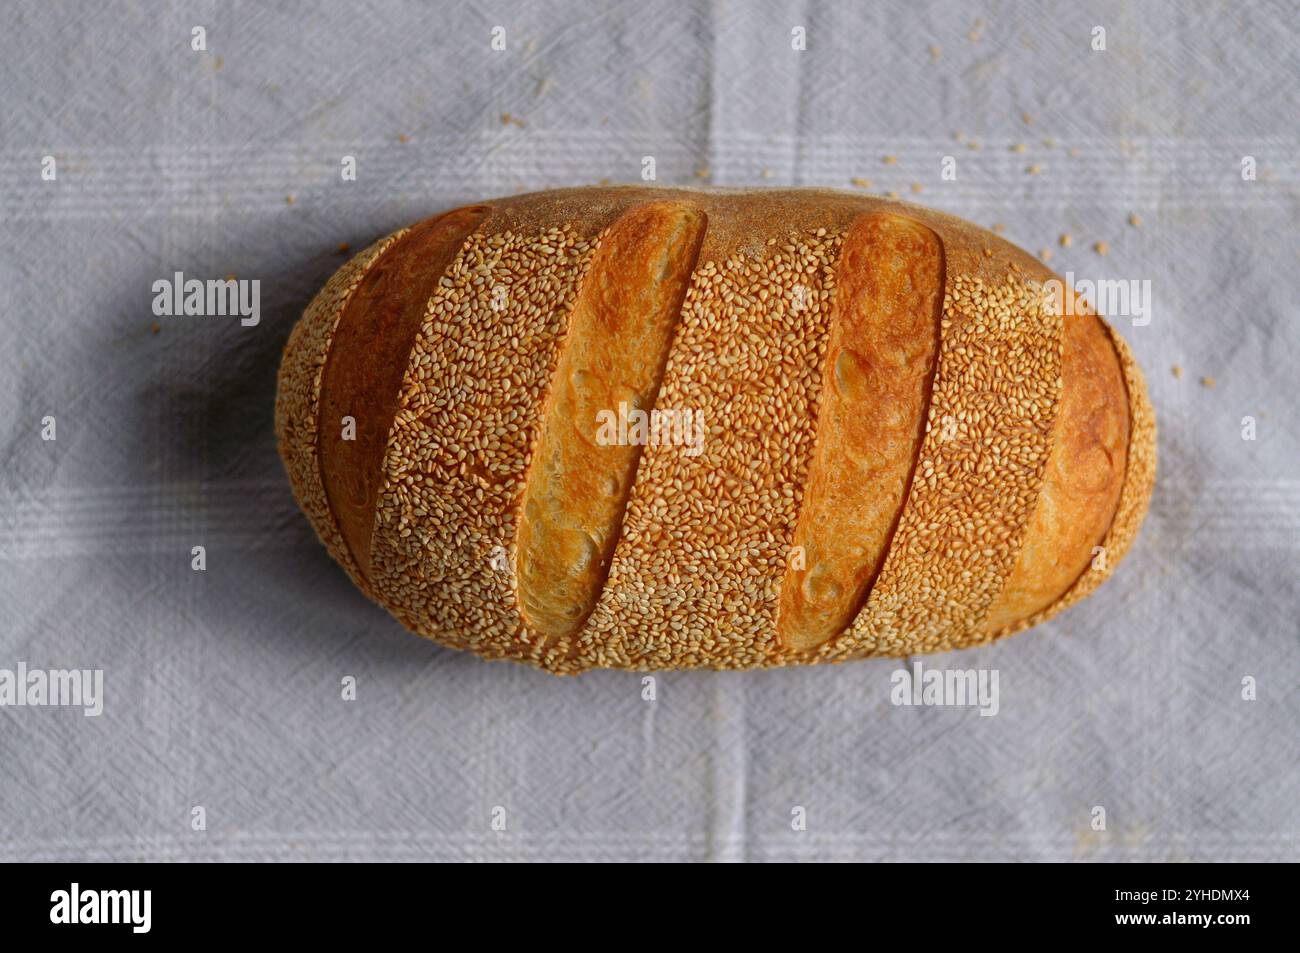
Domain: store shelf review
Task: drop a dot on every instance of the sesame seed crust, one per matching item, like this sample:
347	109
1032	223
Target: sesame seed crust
462	438
876	381
696	575
368	356
976	483
695	580
1135	493
1084	475
297	400
615	349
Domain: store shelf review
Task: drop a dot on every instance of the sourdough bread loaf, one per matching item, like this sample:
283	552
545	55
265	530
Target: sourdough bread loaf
657	428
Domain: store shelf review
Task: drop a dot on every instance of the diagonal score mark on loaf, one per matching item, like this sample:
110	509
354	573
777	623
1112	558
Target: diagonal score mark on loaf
695	579
461	439
610	368
362	378
988	436
297	399
1135	493
880	359
1083	478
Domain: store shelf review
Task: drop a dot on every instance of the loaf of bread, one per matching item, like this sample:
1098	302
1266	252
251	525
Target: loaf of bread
657	428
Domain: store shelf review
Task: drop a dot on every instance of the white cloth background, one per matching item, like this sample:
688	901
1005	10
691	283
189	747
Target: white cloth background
223	688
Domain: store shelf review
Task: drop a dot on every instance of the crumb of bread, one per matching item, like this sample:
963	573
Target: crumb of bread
976	32
892	196
860	183
935	53
1045	254
155	327
1019	147
972	144
1100	247
1034	169
1177	370
1135	220
1066	239
890	160
1207	382
344	248
1027	119
288	200
999	227
917	188
403	138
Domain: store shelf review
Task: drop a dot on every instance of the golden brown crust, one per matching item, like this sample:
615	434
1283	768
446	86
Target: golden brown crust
461	440
1134	495
870	420
988	436
297	401
367	359
1083	478
611	365
696	577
